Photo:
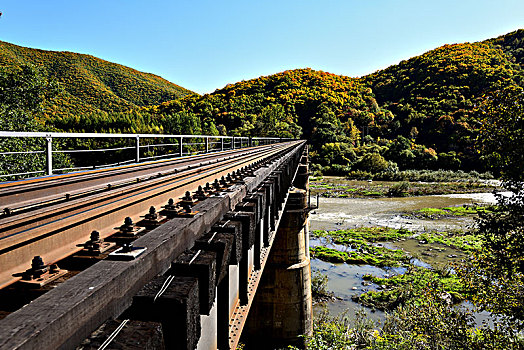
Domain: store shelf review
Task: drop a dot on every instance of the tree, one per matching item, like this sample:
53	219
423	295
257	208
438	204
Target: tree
327	128
335	153
373	163
22	92
501	135
495	275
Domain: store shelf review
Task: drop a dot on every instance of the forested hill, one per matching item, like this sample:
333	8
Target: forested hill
423	113
434	96
420	113
292	103
512	44
90	84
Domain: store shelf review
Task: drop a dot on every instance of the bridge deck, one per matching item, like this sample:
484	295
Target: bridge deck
68	313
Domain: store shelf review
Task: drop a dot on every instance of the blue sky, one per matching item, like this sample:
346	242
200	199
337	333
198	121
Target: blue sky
204	45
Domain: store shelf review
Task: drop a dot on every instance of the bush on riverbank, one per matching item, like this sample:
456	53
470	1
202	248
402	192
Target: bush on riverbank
319	289
430	323
433	176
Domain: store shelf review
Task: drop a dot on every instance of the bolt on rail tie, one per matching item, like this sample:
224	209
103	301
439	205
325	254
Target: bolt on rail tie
164	287
113	335
211	239
225	223
196	255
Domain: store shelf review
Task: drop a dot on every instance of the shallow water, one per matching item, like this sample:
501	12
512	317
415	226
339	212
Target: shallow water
343	213
345	281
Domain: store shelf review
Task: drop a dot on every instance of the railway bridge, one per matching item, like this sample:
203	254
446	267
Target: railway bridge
194	243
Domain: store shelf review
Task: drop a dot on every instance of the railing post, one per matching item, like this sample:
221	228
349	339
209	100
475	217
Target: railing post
49	154
137	148
207	144
222	144
250	144
233	142
181	145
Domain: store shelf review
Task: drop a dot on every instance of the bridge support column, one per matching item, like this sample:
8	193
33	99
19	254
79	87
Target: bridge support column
282	309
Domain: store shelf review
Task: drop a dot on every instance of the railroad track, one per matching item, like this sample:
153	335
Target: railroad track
52	216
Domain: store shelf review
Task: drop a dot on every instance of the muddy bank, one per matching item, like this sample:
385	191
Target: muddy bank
342	213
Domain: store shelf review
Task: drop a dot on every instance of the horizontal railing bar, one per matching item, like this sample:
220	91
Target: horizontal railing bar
28	173
25	152
161	156
93	150
105	135
160	145
98	166
194	143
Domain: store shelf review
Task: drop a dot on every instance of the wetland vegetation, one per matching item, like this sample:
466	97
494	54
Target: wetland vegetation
425	288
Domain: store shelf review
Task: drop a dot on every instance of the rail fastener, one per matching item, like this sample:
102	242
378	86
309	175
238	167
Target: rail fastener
94	246
40	274
200	194
152	219
127	230
187	200
170	209
186	212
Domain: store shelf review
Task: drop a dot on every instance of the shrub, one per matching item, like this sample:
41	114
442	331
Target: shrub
319	283
399	189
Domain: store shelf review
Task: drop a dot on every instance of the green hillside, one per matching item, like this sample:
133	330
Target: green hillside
420	113
89	84
290	104
423	113
434	96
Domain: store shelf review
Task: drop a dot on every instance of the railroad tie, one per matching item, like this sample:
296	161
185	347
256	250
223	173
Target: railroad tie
221	244
265	190
173	301
202	265
126	334
248	240
233	228
253	204
271	186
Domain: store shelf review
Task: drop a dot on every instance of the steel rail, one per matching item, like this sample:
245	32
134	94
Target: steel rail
55	236
53	210
14	194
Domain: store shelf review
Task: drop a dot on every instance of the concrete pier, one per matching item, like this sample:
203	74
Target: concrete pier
282	309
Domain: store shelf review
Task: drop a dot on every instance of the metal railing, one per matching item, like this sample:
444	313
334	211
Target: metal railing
76	150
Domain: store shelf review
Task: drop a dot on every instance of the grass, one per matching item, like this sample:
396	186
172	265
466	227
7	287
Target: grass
411	286
369	234
457	239
365	255
398	289
437	213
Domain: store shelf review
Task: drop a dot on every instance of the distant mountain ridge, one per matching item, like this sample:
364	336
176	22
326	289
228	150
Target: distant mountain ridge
419	113
91	84
428	100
